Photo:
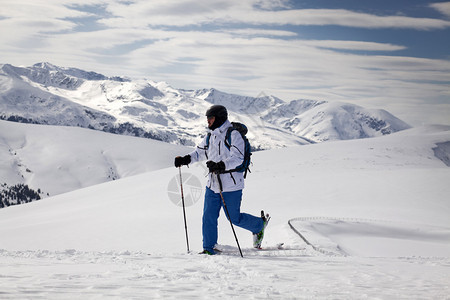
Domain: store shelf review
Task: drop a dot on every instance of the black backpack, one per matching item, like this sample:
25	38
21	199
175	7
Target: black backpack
242	129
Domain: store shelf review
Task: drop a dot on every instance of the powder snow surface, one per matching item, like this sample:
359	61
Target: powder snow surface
370	219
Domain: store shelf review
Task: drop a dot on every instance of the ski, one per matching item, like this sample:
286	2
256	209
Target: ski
278	246
230	250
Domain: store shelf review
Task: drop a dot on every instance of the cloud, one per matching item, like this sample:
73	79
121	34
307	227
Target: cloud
39	9
169	13
28	23
353	45
250	12
442	7
237	46
251	32
277	64
342	17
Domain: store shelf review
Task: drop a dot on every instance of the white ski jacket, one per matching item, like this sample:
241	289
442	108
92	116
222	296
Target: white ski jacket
216	151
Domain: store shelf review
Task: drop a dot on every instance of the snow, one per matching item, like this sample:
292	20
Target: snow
373	211
48	94
94	275
62	159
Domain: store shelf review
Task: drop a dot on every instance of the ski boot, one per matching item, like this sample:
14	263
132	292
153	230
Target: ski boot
207	252
258	237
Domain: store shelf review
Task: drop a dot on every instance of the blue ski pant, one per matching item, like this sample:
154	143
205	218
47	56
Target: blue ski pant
211	210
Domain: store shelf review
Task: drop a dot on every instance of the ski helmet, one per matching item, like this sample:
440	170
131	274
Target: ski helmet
220	113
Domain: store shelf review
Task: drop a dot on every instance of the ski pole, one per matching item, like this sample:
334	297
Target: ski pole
228	215
184	210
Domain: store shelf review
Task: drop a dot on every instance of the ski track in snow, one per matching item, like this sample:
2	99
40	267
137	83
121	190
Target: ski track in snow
330	236
74	274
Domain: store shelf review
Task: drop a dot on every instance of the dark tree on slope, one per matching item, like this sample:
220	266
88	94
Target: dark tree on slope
17	194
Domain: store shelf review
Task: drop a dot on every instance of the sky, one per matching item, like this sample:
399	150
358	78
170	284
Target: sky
393	55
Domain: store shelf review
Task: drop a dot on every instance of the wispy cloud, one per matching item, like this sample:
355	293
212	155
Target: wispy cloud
342	17
442	7
353	45
184	13
244	46
252	32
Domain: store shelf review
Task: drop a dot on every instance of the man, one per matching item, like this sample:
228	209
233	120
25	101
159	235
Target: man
221	159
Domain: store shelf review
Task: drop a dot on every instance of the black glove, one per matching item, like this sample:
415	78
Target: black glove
215	167
182	160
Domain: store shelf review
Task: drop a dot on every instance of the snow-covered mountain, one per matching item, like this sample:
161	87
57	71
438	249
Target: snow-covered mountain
48	94
56	159
357	217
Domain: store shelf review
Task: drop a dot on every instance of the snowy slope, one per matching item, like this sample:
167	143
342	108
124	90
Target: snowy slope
59	159
375	212
47	94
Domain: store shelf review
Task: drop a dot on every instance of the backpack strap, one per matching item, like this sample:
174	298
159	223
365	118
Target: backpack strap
208	137
227	141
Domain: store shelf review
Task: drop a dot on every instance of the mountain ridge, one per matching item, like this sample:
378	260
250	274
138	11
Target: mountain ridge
52	95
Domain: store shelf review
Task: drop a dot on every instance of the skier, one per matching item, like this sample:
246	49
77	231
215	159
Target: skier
220	159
